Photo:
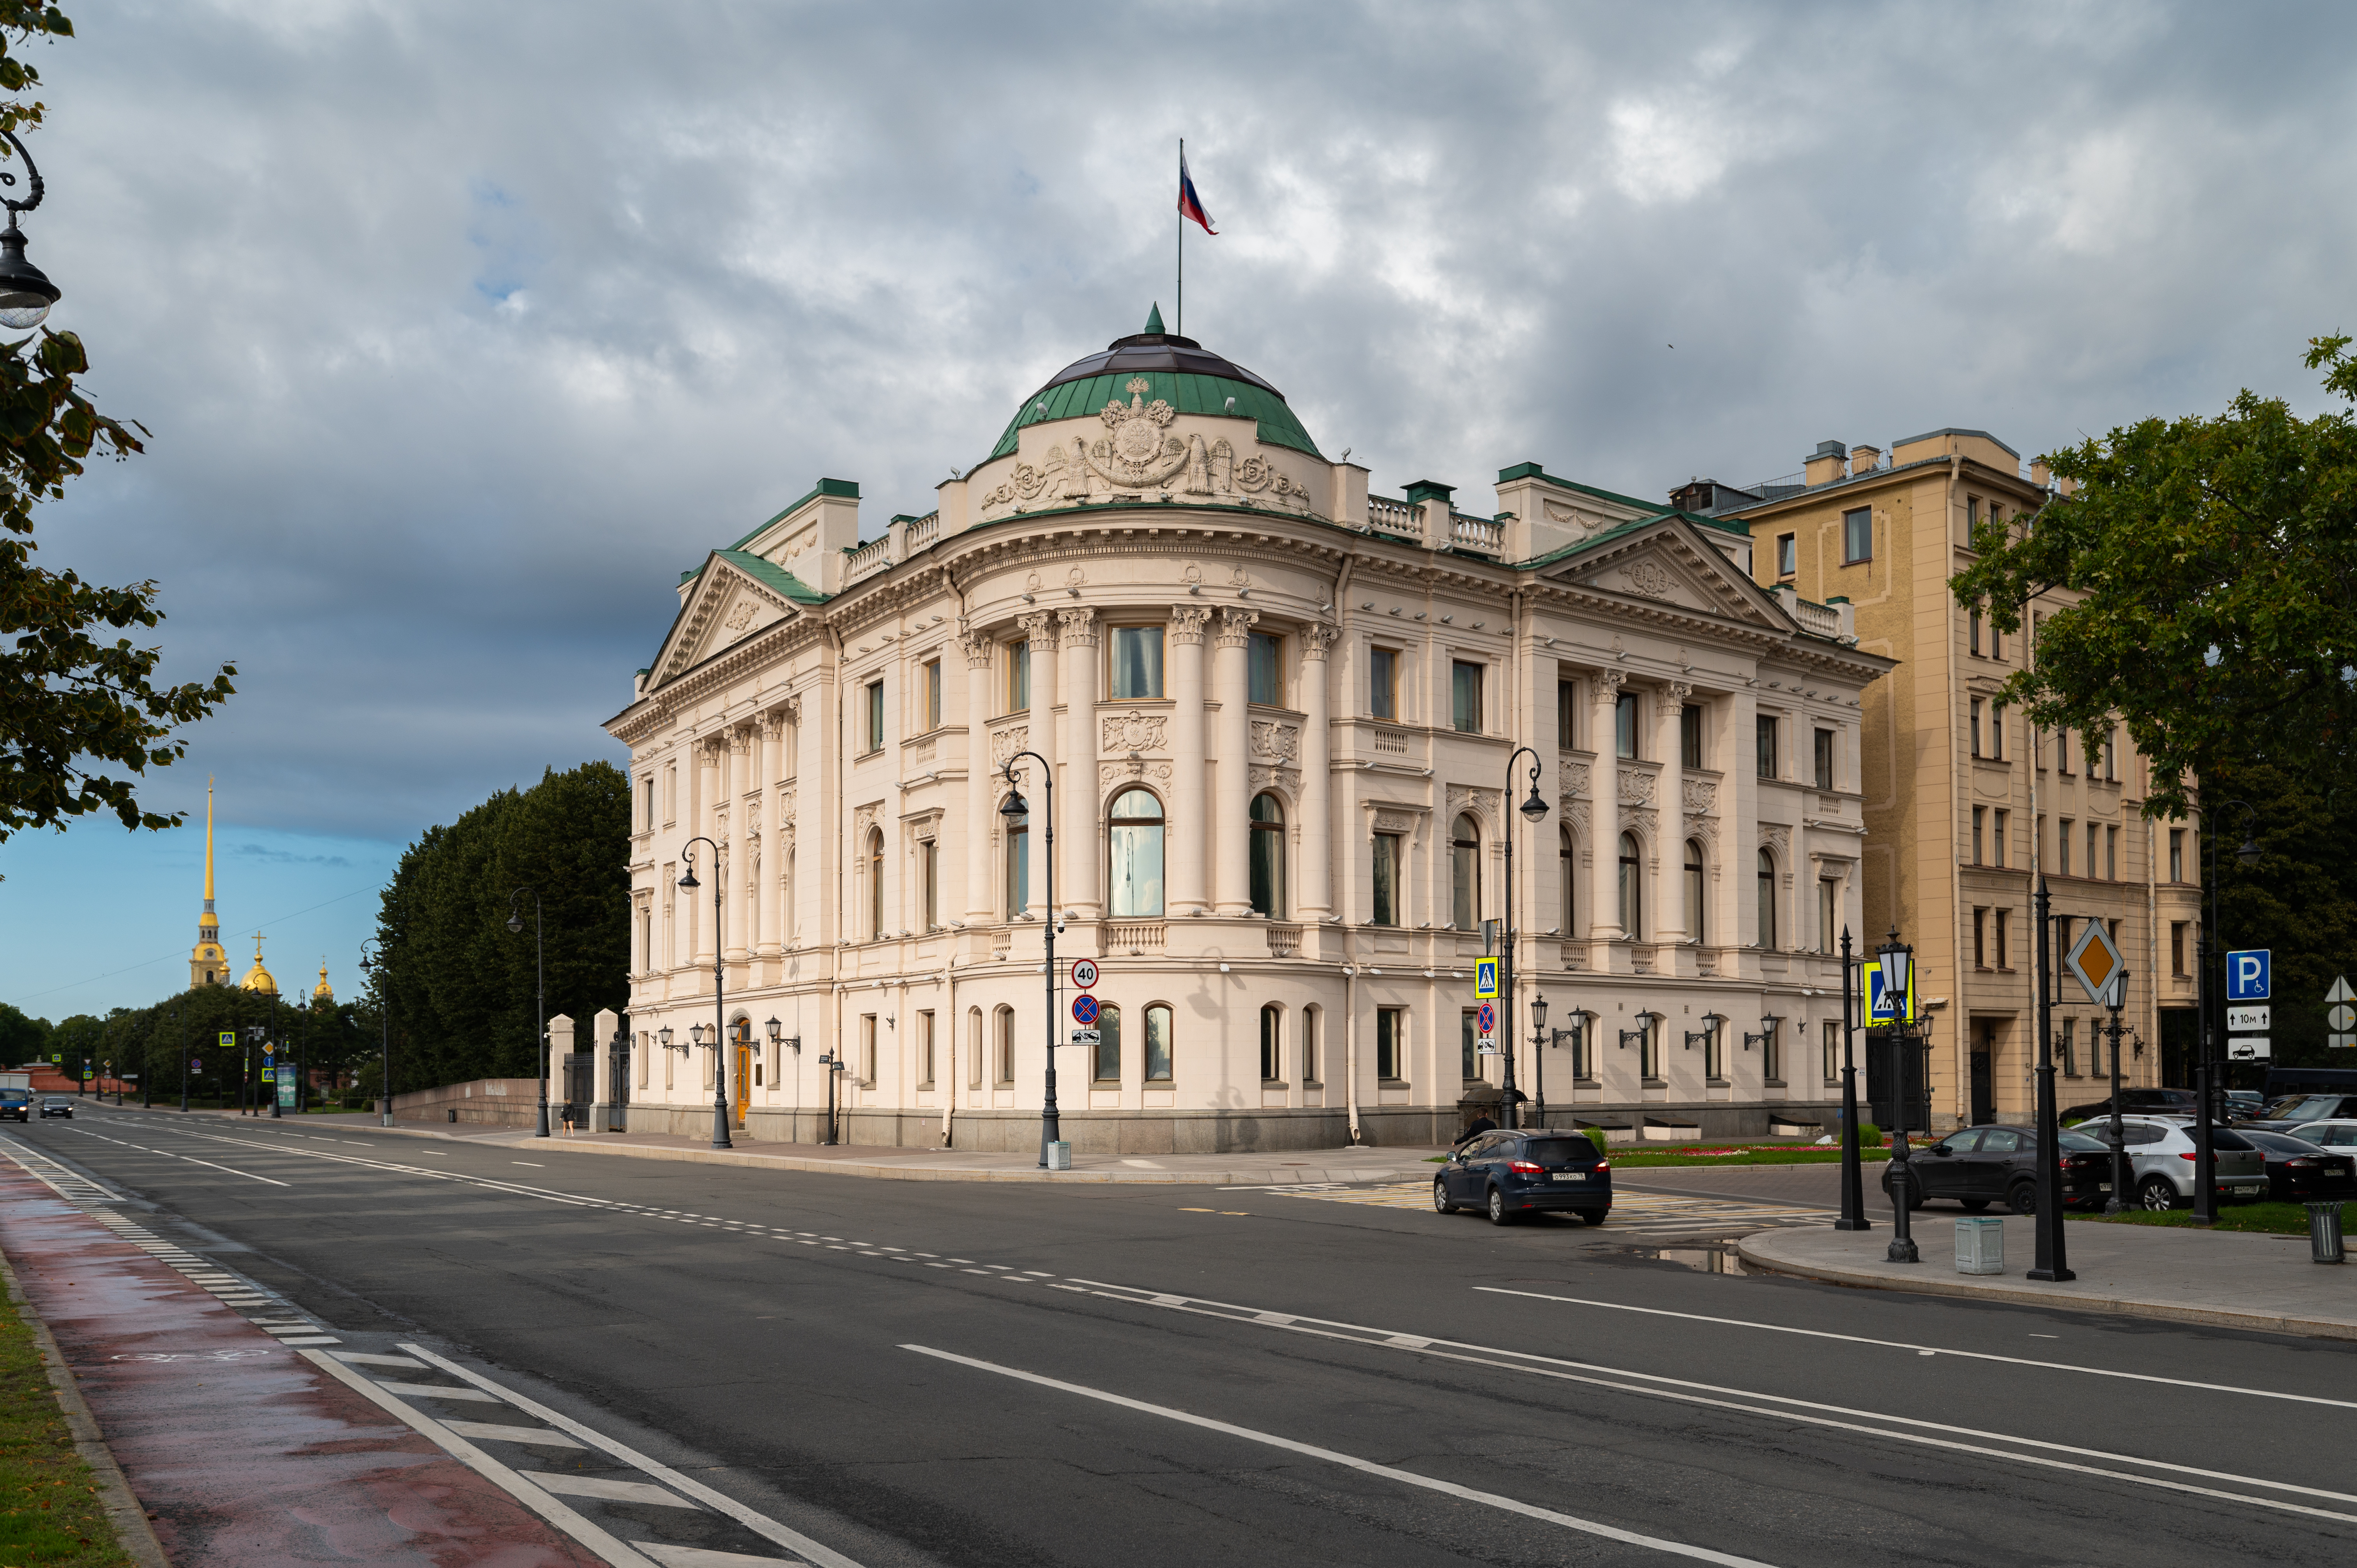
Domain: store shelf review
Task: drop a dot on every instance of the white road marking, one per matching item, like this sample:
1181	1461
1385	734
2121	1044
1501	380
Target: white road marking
608	1490
1368	1467
170	1156
365	1359
532	1434
703	1557
1932	1350
1788	1409
433	1390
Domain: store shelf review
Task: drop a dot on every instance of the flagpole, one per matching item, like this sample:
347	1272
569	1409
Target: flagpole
1182	239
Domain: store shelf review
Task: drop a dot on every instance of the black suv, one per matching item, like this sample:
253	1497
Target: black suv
2139	1103
1508	1174
1984	1165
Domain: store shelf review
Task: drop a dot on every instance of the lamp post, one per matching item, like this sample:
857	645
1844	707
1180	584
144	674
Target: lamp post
1050	1125
1898	974
372	963
2116	997
1852	1172
1533	810
2052	1261
25	291
270	1056
719	1009
2205	1159
539	1003
1538	1053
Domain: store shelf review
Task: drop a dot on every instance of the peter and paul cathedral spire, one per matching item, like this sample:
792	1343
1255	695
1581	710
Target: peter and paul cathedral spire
207	965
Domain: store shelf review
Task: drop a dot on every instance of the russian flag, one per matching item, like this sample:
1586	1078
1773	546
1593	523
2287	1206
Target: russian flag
1189	204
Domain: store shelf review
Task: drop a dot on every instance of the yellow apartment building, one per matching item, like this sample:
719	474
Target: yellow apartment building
1964	804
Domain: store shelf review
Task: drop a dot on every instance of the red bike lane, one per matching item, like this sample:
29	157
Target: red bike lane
242	1451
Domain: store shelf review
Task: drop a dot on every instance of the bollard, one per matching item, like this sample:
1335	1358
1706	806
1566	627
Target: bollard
1980	1246
1060	1156
2324	1234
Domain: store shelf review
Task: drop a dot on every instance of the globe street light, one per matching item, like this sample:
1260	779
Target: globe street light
25	291
539	972
1533	810
719	983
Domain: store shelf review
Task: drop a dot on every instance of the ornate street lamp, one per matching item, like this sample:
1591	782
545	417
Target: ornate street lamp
1853	1178
1898	973
1050	1124
719	983
25	291
1538	1053
540	972
1534	812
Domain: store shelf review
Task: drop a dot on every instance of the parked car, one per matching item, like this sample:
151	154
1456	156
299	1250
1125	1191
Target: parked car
2297	1169
1509	1174
57	1105
2160	1152
16	1102
2246	1104
2340	1133
2133	1101
1981	1165
2287	1114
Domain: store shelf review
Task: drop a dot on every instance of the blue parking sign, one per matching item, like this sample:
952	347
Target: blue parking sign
2247	975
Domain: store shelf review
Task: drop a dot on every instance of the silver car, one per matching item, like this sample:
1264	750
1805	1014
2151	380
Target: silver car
2160	1159
2339	1132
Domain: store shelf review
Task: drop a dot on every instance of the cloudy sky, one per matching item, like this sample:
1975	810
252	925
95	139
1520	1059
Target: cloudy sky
463	328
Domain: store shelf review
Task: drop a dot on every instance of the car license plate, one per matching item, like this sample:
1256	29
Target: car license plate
2103	1186
1571	1176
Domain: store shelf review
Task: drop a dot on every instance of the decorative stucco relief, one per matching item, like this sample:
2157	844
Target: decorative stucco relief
1636	787
1776	836
1704	829
1483	803
1575	813
1270	738
1005	743
742	615
1395	822
1110	773
1701	794
1649	579
1133	731
1576	777
1286	778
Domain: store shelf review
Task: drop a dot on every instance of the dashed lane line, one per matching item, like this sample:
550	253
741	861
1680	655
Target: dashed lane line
1649	1214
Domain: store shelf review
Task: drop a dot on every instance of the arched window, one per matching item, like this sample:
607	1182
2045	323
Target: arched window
973	1048
1003	1068
1134	837
876	882
1695	907
1465	873
1767	899
1632	888
1269	857
1570	861
1272	1043
1018	865
1158	1049
1108	1051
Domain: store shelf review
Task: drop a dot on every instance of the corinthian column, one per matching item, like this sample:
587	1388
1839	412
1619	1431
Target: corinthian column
1190	817
1040	737
982	782
737	759
1079	827
1604	905
707	812
1677	922
772	756
1317	900
1232	813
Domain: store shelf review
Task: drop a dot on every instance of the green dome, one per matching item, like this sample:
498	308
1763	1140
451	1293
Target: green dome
1181	372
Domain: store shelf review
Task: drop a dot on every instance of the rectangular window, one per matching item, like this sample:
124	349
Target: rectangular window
1018	677
1973	723
2177	854
1648	1048
1713	1054
1996	732
1690	735
1996	839
1831	1031
1972	512
1309	1019
1566	701
929	867
2062	848
2177	947
1995	643
1382	682
2062	751
1272	1045
1788	554
1465	697
1469	1044
1391	1042
1858	536
1980	939
868	1047
875	715
2094	837
973	1048
2111	855
1772	1053
1265	672
2112	753
2004	931
1387	879
1624	726
932	671
1137	664
1973	634
2069	1047
1004	1069
924	1050
1764	738
1107	1055
1824	758
1980	821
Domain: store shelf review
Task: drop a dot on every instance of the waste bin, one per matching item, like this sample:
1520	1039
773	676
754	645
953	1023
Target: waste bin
2324	1234
1980	1246
1060	1156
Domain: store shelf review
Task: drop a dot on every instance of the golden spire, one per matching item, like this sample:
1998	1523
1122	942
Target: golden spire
207	965
323	992
209	846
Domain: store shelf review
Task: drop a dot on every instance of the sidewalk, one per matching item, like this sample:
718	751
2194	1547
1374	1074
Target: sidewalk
238	1447
2225	1278
1277	1167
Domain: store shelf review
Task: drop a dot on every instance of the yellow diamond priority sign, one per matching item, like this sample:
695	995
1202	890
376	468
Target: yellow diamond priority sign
2097	963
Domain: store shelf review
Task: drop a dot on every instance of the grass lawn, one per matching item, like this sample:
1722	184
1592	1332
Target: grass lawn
2271	1218
49	1511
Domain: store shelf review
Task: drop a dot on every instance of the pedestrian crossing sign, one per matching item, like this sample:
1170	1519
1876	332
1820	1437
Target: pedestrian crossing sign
1878	1013
228	1038
1485	979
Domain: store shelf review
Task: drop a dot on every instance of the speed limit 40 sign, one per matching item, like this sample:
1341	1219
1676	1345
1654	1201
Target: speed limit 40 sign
1084	973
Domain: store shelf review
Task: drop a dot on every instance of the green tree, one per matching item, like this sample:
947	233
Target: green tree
73	702
2215	564
22	1039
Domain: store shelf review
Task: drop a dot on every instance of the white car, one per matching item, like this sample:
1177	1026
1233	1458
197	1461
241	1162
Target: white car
2341	1132
2160	1158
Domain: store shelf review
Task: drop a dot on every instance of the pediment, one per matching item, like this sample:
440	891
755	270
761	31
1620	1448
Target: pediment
1667	564
727	605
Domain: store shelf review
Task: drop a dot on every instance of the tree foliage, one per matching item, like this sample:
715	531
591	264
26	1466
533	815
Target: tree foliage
460	984
73	702
2298	900
2216	562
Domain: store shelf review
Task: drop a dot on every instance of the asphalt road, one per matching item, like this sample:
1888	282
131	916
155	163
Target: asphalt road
1021	1374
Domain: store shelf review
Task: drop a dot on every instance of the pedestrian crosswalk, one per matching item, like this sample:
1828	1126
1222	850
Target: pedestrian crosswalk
1633	1213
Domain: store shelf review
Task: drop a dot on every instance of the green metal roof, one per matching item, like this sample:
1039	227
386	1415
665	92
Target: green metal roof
762	569
1187	393
847	489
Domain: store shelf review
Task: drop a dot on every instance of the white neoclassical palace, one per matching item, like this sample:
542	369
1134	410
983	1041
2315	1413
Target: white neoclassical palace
1276	714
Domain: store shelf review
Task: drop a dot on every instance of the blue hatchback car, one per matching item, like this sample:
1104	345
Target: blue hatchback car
1508	1174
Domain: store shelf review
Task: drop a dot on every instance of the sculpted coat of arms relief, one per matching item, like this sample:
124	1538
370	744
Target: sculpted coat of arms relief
1139	452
